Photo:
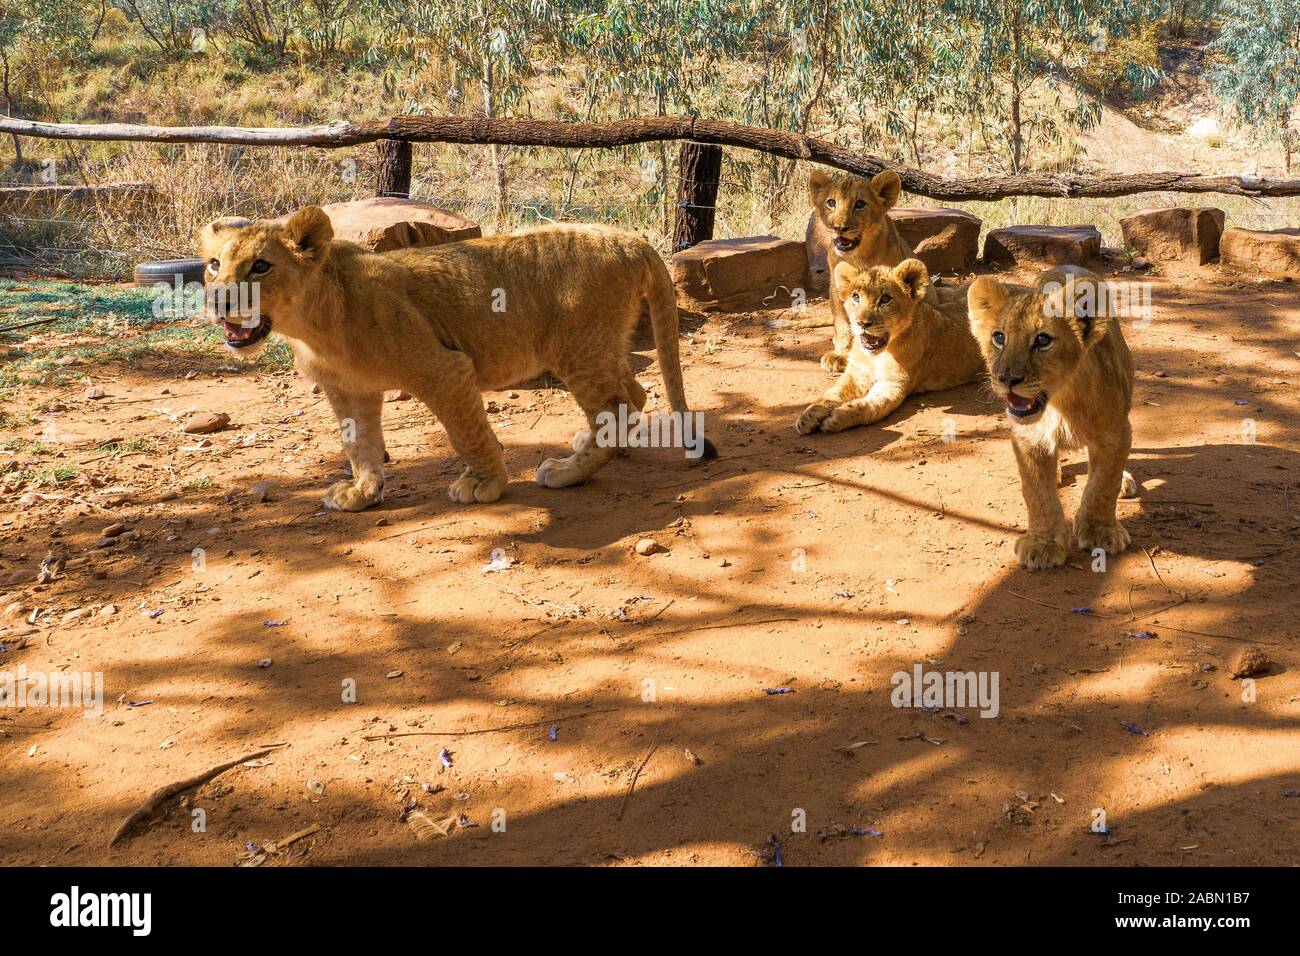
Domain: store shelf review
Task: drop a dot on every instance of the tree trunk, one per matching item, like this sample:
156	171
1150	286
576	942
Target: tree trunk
394	174
699	167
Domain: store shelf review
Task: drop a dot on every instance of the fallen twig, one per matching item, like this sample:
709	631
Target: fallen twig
637	773
488	730
162	794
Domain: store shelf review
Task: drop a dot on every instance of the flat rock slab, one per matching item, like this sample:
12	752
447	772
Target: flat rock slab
1175	234
382	223
736	274
1273	252
946	240
1042	245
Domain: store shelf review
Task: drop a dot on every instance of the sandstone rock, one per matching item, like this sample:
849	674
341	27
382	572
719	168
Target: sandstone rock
1273	253
1042	245
1177	234
396	395
735	274
200	423
647	546
261	492
382	223
946	240
94	393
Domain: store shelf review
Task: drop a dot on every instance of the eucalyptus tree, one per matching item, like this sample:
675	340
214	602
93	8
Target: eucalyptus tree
1259	78
1018	58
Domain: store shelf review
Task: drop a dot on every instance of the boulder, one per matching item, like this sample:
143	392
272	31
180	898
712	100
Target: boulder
735	274
1175	234
946	240
382	223
1273	253
1042	245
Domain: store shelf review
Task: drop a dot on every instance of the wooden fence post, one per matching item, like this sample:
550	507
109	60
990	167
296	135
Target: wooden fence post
699	166
394	174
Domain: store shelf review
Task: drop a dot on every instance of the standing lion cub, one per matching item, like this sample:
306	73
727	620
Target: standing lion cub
901	344
1056	355
444	324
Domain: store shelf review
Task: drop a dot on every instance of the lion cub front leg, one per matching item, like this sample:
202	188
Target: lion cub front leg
881	399
452	394
1044	544
1095	524
361	430
837	360
844	390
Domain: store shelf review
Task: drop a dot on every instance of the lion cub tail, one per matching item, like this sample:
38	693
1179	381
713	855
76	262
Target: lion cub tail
660	300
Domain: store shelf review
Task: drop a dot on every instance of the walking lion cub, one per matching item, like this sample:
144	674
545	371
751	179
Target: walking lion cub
444	324
901	344
1056	355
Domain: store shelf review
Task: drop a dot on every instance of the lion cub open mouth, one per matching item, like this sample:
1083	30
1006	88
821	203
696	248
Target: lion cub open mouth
1023	407
844	244
239	336
873	343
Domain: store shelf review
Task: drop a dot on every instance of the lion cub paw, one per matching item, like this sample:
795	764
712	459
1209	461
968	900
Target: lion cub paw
559	473
1038	552
812	418
469	488
1128	488
1111	537
835	362
348	496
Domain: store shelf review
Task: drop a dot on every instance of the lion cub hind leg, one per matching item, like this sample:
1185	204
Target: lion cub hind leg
361	430
595	392
636	399
452	395
1129	487
1045	544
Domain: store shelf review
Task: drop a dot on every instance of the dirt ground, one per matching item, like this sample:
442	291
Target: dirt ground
820	564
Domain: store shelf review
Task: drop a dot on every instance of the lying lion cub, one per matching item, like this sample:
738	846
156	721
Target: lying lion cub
445	323
901	345
1056	354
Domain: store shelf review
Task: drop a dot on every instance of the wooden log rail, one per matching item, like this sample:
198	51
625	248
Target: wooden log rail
524	132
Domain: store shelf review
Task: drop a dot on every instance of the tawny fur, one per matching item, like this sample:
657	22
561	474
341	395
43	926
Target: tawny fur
925	349
1085	375
448	322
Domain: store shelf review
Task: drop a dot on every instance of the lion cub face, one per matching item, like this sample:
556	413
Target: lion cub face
849	206
1033	340
256	273
880	301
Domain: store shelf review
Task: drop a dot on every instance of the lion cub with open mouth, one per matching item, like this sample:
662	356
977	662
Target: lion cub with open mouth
900	345
447	322
1057	357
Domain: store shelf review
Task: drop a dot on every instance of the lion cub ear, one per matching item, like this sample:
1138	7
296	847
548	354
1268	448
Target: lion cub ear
309	230
984	299
818	180
914	276
844	276
887	186
217	228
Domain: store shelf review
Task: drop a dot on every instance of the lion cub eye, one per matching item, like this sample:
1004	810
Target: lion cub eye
214	266
260	267
999	339
856	297
830	204
1042	340
860	204
885	300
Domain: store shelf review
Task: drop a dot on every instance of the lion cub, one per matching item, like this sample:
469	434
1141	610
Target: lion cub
447	322
1056	355
901	344
854	213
